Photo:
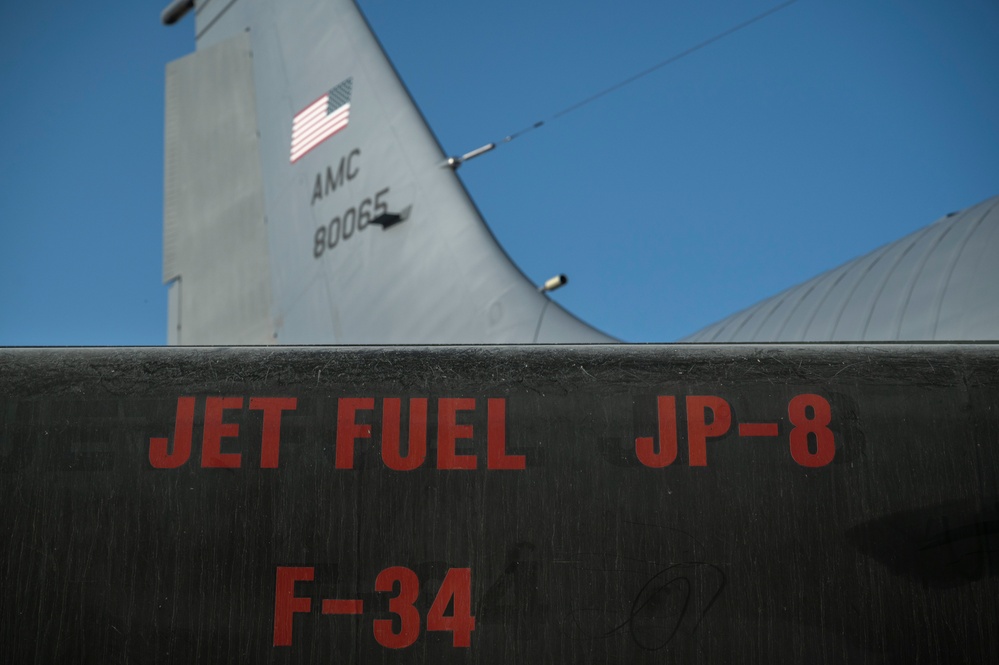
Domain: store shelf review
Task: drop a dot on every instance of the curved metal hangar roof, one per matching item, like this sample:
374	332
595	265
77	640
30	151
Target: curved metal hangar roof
939	283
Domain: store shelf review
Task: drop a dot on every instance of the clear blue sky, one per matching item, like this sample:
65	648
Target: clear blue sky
810	138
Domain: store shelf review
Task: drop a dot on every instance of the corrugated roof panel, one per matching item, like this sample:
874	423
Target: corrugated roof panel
808	306
939	283
976	268
831	309
884	318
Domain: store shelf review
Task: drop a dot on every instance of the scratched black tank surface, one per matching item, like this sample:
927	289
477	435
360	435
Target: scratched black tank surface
571	504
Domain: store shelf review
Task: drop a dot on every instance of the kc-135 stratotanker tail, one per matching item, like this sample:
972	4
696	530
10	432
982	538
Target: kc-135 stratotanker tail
307	201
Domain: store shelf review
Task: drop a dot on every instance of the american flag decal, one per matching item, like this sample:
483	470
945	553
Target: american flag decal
320	120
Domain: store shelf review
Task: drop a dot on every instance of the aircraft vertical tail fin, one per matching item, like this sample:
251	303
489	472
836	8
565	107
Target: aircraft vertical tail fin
307	200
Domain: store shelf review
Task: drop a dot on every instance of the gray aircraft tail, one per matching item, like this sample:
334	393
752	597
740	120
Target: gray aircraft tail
307	201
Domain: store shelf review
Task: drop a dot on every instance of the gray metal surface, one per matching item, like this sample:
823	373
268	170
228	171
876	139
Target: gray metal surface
774	533
437	277
215	255
939	283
